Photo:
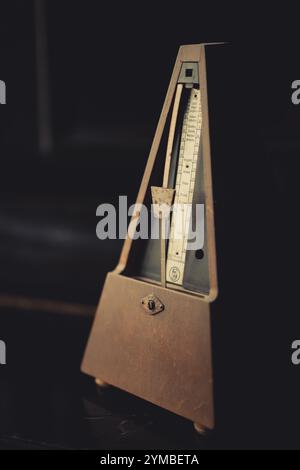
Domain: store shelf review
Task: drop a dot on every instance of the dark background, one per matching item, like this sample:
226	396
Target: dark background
108	70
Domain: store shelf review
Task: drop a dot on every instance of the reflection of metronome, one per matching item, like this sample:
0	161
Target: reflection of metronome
151	335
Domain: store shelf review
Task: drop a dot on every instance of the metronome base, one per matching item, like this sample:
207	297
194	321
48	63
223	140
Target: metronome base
164	358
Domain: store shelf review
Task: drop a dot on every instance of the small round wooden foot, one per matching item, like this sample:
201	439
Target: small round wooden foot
200	429
101	384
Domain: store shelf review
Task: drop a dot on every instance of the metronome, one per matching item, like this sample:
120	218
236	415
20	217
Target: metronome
151	334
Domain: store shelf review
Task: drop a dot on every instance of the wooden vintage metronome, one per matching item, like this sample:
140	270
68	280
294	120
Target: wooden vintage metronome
151	335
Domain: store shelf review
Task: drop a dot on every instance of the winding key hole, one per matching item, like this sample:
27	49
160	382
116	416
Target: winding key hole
199	254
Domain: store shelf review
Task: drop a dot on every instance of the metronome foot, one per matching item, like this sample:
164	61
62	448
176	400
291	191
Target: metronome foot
101	384
200	429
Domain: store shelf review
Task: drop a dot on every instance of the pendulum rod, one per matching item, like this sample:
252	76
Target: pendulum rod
185	185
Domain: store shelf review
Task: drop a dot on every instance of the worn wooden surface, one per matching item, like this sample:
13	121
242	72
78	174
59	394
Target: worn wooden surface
47	403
